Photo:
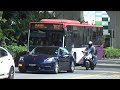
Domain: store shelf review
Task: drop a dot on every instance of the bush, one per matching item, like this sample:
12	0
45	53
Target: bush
110	52
16	51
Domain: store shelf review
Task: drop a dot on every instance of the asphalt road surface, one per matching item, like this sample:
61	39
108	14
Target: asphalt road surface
80	73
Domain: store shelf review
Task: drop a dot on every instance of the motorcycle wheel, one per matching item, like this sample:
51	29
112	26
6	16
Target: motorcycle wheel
87	65
92	66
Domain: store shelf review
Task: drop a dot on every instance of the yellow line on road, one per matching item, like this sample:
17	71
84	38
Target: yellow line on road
86	76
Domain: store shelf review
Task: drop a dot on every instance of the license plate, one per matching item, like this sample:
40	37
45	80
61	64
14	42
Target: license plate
32	64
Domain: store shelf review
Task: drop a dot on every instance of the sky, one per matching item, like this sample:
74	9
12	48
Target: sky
92	16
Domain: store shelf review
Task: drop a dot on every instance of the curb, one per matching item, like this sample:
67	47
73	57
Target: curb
108	65
109	61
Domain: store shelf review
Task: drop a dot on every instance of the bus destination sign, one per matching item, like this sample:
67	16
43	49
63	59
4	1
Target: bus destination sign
37	26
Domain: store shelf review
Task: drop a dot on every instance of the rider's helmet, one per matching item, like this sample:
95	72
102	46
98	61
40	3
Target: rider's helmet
90	43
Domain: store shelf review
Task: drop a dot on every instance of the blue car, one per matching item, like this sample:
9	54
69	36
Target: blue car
47	58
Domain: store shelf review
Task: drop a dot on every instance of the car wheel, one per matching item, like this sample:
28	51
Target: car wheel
22	69
11	73
72	67
56	68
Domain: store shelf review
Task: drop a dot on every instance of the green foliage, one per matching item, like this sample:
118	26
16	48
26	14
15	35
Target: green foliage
15	25
15	50
103	39
1	35
110	52
48	15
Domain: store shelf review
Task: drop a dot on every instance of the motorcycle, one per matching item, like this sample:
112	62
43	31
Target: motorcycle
88	60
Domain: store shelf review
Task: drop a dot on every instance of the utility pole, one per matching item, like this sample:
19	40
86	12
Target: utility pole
111	37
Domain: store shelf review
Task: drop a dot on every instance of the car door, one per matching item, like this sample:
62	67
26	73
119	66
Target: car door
4	62
1	66
67	58
64	61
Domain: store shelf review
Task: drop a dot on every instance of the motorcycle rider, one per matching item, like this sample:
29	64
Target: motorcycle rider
92	51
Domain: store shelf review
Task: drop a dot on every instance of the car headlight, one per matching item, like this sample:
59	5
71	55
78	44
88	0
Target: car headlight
48	60
21	59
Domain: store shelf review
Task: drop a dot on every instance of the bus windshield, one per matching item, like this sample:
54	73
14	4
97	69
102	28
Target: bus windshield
45	34
45	38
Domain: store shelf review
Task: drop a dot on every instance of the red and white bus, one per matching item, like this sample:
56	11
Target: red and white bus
70	34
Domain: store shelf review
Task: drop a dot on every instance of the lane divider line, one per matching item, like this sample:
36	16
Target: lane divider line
87	76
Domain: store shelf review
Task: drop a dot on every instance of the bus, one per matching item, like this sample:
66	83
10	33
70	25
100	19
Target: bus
71	34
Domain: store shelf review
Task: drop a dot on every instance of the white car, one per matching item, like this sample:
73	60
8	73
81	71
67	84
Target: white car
7	65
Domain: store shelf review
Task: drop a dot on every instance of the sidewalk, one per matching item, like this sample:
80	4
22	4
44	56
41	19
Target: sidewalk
109	63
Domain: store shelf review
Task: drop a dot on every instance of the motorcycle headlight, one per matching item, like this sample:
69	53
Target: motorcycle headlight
48	60
86	57
21	59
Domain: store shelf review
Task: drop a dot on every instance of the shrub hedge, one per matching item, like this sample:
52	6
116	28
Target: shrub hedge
16	51
110	52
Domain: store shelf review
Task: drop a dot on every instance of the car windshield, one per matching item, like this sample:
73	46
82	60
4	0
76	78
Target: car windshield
45	50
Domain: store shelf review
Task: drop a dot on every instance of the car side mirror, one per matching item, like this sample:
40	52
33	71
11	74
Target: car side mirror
62	55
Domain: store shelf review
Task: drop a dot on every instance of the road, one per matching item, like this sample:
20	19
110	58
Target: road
80	73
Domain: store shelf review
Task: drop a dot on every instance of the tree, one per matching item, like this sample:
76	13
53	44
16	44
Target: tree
81	20
47	15
17	24
2	37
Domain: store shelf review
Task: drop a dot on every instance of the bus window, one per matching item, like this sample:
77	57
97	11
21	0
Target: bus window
76	37
94	36
55	38
81	36
100	35
85	36
68	40
90	34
